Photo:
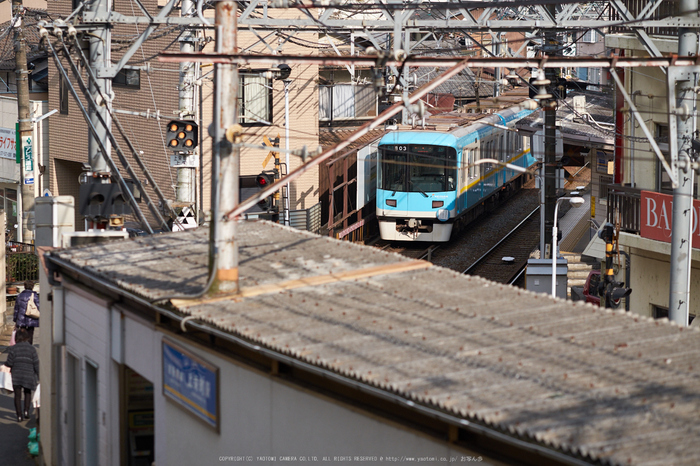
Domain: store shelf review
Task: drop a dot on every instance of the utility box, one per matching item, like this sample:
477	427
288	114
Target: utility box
538	276
54	216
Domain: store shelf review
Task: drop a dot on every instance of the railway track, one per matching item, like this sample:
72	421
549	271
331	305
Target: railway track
505	261
412	250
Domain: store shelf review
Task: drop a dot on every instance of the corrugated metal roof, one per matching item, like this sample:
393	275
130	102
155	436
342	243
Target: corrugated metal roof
607	385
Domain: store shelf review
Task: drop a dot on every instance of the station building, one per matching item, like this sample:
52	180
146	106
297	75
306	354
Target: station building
335	350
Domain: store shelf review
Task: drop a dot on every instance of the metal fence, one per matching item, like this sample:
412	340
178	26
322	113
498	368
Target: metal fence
21	262
307	219
624	206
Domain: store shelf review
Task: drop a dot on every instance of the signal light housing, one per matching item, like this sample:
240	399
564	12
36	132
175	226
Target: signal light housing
263	180
182	135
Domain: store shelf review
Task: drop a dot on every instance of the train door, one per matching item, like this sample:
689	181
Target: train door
463	179
472	174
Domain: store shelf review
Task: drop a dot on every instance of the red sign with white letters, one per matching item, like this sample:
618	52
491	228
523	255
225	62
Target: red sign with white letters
657	210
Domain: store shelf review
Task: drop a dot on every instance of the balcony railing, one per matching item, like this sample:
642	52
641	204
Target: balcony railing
624	206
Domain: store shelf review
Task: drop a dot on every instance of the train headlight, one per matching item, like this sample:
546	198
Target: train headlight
437	204
443	215
391	202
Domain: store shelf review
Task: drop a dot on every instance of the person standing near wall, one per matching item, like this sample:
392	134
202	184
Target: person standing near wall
21	319
23	360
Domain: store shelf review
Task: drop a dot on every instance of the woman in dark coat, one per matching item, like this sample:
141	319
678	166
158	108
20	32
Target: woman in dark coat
23	361
21	319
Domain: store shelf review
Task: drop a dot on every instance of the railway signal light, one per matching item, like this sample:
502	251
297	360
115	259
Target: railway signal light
182	135
612	290
263	180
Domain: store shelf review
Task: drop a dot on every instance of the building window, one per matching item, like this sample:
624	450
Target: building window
658	312
128	78
346	102
589	36
663	182
62	95
254	99
605	182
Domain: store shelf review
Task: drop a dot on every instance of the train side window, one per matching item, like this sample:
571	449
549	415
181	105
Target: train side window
472	159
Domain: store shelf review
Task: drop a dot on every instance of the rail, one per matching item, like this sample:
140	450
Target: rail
501	241
624	205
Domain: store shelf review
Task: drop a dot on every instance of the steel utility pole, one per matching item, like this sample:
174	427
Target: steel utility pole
186	175
225	166
550	142
100	41
681	240
26	165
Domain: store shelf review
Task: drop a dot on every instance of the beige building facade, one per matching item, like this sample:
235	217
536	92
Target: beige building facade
154	92
644	180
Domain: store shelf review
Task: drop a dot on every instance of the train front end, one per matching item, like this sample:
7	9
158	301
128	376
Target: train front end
416	186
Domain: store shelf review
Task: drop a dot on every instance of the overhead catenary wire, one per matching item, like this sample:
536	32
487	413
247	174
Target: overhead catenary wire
120	154
133	150
108	159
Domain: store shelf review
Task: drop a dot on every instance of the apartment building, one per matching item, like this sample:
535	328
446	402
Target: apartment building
641	203
146	98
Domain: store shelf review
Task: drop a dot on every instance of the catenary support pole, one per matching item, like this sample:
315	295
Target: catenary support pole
225	166
681	244
287	146
26	178
550	143
186	176
100	40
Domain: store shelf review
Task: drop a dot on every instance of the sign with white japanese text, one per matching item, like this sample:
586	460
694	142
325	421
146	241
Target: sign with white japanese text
7	143
191	383
656	221
184	160
28	160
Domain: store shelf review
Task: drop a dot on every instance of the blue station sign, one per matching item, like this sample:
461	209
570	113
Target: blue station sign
191	383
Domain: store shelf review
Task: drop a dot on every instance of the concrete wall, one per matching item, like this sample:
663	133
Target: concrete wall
87	324
260	415
650	275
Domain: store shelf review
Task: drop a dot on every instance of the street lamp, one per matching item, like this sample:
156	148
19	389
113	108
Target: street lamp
285	72
575	201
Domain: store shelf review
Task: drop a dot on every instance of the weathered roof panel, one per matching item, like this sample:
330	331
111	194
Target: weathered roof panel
581	380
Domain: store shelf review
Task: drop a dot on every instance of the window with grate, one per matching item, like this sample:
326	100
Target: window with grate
128	78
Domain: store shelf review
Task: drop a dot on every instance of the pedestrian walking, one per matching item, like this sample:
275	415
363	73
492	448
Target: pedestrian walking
27	315
23	361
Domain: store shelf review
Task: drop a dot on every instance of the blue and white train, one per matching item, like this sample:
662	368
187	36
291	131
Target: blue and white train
427	181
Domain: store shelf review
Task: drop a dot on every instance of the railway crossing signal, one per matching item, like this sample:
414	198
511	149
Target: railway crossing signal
263	180
182	135
612	290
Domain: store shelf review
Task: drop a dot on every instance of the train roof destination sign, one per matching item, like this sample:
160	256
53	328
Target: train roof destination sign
191	382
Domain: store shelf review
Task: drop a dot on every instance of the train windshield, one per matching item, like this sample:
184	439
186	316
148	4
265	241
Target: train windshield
417	168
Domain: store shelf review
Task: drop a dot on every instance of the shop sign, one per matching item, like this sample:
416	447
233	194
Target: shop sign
191	382
7	143
656	221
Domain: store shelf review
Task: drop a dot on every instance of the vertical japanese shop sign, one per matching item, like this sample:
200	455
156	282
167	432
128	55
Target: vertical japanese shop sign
28	160
656	221
191	383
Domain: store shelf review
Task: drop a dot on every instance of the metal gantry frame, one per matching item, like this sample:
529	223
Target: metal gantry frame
399	21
